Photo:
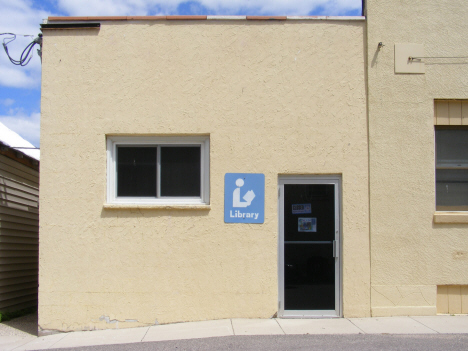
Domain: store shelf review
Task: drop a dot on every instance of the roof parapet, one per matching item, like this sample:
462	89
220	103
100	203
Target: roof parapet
191	18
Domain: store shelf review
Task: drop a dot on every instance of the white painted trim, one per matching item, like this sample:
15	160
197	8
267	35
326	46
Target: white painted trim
310	314
226	18
155	207
234	18
202	141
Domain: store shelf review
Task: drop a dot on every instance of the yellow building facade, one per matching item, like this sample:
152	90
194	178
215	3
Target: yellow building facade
149	123
418	250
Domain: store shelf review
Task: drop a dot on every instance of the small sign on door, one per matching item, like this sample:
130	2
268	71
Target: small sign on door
307	225
301	208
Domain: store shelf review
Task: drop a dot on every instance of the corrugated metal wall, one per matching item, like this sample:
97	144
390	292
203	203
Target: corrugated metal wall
19	235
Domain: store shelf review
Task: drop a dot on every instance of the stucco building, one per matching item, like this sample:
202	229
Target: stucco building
416	107
223	167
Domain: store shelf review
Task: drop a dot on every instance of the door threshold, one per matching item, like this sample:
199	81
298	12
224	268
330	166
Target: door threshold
294	316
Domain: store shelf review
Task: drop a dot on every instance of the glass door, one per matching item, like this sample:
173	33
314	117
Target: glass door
309	247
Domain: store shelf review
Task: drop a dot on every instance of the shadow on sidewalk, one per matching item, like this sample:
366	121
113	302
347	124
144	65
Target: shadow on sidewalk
20	326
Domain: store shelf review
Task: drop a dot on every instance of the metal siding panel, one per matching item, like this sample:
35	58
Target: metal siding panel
19	233
18	280
18	200
13	295
33	190
19	213
18	260
18	219
13	173
18	267
18	247
19	226
20	206
17	192
20	286
18	253
19	166
20	306
18	300
18	240
24	273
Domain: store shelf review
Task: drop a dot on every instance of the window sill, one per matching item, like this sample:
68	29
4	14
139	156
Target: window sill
156	207
450	218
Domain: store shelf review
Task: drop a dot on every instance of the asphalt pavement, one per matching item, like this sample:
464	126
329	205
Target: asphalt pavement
362	342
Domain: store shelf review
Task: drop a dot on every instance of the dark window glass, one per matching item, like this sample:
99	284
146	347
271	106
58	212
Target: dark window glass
136	171
309	277
309	265
452	147
452	170
180	170
452	189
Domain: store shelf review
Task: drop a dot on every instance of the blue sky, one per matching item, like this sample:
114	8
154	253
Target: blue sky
20	94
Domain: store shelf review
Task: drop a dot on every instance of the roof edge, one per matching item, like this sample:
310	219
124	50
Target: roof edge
19	156
190	18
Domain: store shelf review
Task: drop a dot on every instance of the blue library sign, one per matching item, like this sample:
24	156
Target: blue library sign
244	198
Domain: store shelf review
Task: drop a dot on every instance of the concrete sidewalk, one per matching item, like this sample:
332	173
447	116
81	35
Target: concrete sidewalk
12	338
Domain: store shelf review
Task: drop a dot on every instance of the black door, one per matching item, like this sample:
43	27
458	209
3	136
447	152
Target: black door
310	248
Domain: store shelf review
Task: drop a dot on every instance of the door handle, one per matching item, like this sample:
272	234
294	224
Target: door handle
335	249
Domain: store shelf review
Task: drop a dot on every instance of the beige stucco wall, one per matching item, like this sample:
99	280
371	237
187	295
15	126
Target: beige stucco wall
411	254
275	98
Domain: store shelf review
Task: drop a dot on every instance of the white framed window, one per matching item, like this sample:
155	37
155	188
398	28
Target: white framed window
451	168
158	170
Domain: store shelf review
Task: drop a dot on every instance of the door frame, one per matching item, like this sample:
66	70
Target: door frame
311	179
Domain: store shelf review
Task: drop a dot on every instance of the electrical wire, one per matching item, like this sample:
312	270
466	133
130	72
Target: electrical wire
26	55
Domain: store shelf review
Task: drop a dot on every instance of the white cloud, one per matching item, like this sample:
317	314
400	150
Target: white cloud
282	7
105	7
7	102
25	125
145	7
20	17
16	78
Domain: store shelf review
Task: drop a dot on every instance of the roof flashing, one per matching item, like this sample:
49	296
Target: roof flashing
86	19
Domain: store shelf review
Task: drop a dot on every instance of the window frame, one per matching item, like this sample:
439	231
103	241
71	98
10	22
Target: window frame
157	141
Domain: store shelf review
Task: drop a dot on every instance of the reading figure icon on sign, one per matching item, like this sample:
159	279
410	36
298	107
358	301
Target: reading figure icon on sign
248	197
